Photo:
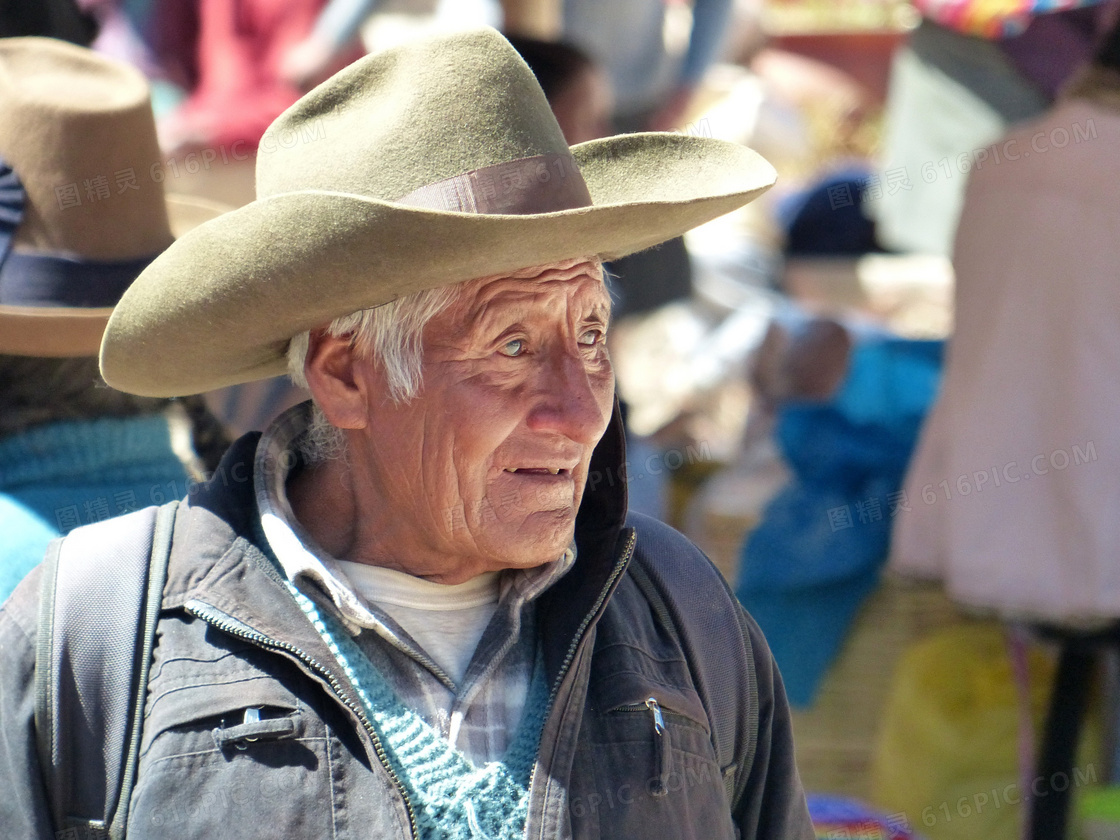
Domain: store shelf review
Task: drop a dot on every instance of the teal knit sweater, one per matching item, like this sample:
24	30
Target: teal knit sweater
452	799
57	476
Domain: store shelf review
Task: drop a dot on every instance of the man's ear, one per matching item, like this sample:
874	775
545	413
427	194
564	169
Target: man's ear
338	380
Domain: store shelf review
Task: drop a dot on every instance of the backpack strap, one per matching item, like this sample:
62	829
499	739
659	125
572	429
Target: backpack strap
100	600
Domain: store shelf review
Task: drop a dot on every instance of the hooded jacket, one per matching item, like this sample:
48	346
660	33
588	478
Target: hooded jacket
251	729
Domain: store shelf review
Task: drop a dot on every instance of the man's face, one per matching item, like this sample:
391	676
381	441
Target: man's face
486	467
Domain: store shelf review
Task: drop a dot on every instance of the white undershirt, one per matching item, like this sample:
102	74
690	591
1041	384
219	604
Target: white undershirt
447	621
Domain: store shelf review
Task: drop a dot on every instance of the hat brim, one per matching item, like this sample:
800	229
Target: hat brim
220	305
68	331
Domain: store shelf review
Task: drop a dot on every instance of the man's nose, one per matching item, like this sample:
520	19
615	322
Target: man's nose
570	399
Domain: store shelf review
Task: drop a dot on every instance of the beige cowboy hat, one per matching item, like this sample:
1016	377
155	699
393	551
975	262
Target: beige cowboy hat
82	207
422	166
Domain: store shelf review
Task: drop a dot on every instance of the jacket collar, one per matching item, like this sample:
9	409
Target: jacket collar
599	548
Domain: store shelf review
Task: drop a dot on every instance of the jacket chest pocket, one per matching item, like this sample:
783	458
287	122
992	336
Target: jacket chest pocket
243	758
646	766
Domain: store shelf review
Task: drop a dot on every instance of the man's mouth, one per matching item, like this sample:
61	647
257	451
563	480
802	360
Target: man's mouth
537	470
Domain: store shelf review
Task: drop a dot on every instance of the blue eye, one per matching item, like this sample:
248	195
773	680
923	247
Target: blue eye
513	348
591	338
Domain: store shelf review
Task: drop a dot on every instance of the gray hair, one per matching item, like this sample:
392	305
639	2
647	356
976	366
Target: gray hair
391	335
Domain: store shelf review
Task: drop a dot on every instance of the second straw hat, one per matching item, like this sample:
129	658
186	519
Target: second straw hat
82	205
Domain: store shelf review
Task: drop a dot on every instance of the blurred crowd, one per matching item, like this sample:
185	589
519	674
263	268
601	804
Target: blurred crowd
784	369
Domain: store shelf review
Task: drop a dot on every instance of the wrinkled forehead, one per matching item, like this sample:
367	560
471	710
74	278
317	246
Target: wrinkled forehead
576	287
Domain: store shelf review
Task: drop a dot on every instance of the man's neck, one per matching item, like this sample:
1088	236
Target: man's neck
325	501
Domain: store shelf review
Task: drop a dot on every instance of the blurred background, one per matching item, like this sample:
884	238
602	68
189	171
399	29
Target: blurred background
779	367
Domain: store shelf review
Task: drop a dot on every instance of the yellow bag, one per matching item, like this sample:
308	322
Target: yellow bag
948	751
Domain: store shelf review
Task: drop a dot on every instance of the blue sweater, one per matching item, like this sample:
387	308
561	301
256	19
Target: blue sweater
60	475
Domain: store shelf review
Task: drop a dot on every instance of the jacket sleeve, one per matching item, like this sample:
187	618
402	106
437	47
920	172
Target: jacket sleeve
772	802
24	811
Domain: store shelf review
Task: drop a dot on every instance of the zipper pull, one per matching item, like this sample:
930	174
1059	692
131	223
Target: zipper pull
662	757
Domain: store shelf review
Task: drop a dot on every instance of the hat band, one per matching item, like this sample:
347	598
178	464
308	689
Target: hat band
539	184
48	281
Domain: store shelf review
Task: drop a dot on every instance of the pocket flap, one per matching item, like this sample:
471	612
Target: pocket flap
196	703
631	693
255	728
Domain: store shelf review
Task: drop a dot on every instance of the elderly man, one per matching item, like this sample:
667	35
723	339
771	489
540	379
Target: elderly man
415	608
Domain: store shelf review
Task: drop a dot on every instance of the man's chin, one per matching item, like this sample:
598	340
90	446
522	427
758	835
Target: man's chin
542	539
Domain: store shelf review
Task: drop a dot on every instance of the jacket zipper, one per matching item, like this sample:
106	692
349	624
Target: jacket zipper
570	655
203	611
662	754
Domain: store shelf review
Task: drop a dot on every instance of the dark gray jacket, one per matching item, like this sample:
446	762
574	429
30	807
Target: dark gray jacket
641	614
